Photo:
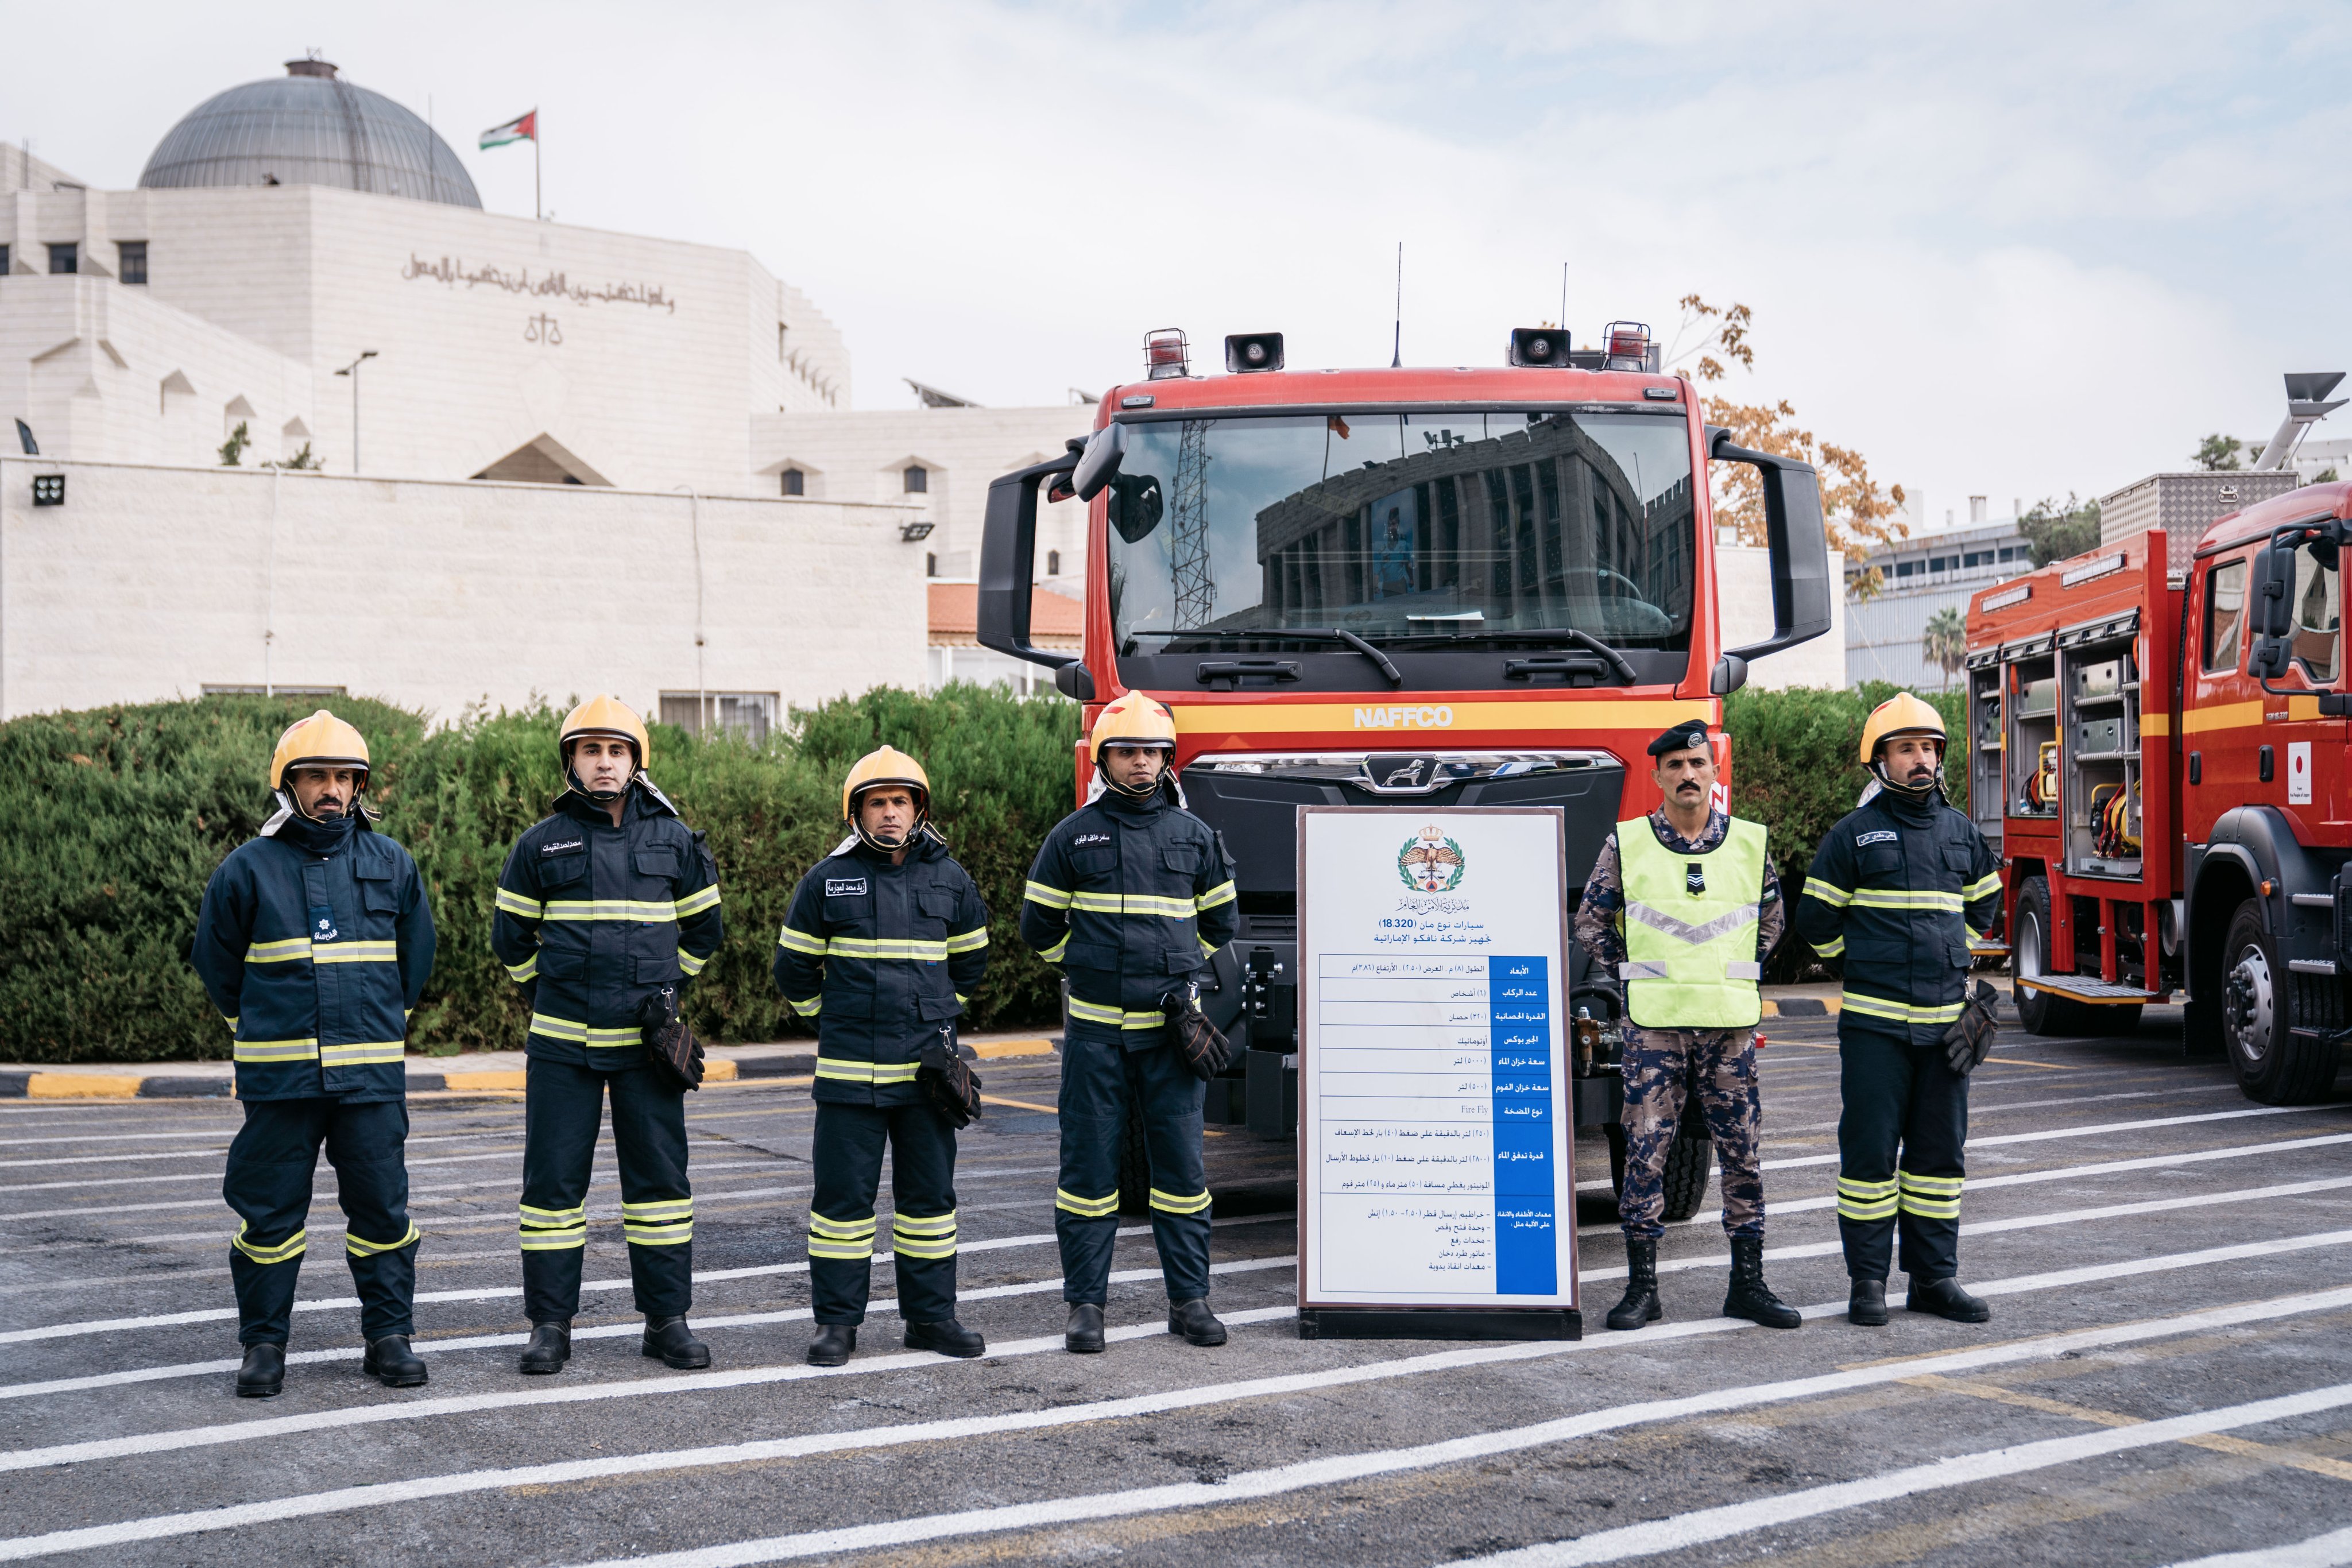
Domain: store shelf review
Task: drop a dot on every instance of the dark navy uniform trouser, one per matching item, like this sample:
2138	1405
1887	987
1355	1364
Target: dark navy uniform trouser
271	1163
1100	1078
563	1107
1901	1134
846	1151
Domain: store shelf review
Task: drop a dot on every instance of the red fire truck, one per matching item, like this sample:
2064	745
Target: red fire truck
1466	585
2159	749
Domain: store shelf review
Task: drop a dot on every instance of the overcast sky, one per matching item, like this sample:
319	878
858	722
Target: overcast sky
2004	250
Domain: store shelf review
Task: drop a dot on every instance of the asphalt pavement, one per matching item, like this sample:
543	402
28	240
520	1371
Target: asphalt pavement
2167	1373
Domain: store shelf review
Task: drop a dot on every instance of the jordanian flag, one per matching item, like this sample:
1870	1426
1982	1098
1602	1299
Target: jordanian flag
525	129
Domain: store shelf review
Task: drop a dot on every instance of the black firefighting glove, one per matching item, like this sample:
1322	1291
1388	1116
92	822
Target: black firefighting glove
949	1082
676	1054
1205	1050
1970	1039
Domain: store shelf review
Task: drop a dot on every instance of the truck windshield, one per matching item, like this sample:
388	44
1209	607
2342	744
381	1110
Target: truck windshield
1452	527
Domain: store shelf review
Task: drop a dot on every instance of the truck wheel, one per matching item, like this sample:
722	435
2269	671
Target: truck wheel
1687	1161
1134	1164
2274	1065
2043	1012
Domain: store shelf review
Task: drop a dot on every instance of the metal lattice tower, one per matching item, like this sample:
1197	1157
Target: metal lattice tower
1188	533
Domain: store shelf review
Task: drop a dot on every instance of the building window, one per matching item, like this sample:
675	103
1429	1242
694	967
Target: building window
4	261
930	564
1980	558
1905	567
919	479
1053	563
746	716
795	482
134	261
64	258
2011	552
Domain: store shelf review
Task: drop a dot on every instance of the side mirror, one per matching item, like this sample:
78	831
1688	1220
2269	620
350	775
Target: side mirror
2274	590
1008	558
1730	674
1103	456
1075	681
1801	584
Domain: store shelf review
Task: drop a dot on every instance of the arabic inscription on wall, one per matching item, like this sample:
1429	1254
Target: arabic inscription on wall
450	272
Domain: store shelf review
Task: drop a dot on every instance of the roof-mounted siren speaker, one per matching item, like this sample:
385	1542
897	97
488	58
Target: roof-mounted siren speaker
1628	346
1166	356
1246	353
1543	348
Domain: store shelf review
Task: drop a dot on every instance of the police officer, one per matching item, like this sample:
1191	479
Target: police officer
1684	907
314	941
601	906
886	939
1129	895
1897	891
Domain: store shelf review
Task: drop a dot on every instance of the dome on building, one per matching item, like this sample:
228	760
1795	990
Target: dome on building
308	127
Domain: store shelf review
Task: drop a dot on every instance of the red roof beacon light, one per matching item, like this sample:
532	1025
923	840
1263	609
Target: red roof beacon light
1165	356
1628	346
1247	352
1545	347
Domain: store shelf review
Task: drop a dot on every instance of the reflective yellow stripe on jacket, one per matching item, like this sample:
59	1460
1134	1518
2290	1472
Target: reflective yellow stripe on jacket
875	1072
581	1034
1094	1012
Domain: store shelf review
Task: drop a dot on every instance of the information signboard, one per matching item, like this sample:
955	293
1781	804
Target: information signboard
1435	1114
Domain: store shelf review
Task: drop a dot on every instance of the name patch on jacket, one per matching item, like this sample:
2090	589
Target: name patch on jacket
566	845
1085	839
845	887
1880	836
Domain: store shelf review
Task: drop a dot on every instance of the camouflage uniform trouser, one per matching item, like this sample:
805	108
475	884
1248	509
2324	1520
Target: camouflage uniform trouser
1662	1066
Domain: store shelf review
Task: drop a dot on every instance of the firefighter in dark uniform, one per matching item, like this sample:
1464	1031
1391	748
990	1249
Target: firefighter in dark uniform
1129	895
1898	890
885	940
1683	907
601	907
314	942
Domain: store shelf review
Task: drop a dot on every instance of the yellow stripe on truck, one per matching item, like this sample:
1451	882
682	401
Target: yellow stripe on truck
1195	717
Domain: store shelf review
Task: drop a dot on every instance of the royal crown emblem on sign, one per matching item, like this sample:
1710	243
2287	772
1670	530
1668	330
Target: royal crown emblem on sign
1431	863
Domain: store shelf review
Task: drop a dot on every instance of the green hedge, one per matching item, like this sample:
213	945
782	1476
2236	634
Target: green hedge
1793	768
116	816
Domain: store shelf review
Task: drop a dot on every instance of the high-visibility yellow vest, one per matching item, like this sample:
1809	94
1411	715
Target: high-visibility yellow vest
1690	929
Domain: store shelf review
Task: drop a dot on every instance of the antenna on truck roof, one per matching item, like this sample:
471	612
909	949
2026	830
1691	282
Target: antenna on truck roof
1396	356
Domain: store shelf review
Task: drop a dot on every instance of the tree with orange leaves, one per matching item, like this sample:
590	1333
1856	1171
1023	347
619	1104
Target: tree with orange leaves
1858	514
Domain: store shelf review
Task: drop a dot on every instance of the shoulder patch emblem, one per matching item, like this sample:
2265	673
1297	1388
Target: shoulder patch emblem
845	887
559	848
1878	836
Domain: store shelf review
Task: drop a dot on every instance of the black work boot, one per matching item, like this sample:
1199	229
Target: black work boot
1084	1335
391	1362
673	1343
1195	1322
1639	1305
834	1343
1749	1297
550	1348
1867	1304
946	1337
263	1376
1947	1299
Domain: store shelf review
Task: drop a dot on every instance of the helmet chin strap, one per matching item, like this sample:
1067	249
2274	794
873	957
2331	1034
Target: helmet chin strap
914	828
1887	781
602	797
1145	792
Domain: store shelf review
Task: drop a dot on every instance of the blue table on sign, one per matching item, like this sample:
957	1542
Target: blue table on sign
1519	1003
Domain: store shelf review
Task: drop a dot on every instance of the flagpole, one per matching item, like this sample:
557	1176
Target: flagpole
536	206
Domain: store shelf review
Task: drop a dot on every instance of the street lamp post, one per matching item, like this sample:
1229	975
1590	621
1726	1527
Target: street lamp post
353	370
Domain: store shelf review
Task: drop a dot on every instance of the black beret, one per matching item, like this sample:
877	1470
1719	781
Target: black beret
1684	736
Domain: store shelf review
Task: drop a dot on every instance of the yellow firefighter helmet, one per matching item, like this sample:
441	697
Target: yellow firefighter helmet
1901	713
604	715
889	765
323	740
1133	720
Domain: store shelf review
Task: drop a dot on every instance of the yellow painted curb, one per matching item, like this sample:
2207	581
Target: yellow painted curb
1830	1006
461	1081
989	1049
719	1070
80	1086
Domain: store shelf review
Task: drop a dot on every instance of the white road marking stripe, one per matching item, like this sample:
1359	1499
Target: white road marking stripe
1703	1525
225	1133
2052	1134
467	1404
1977	1108
233	1432
2319	1552
1343	1468
326	1189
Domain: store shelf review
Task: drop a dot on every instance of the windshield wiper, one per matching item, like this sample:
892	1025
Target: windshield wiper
1297	634
1568	635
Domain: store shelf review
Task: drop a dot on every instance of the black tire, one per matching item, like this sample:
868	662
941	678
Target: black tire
2259	1013
1688	1159
2043	1012
1134	1165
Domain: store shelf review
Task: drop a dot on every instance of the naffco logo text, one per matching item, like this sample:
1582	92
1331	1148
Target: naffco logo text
1405	717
